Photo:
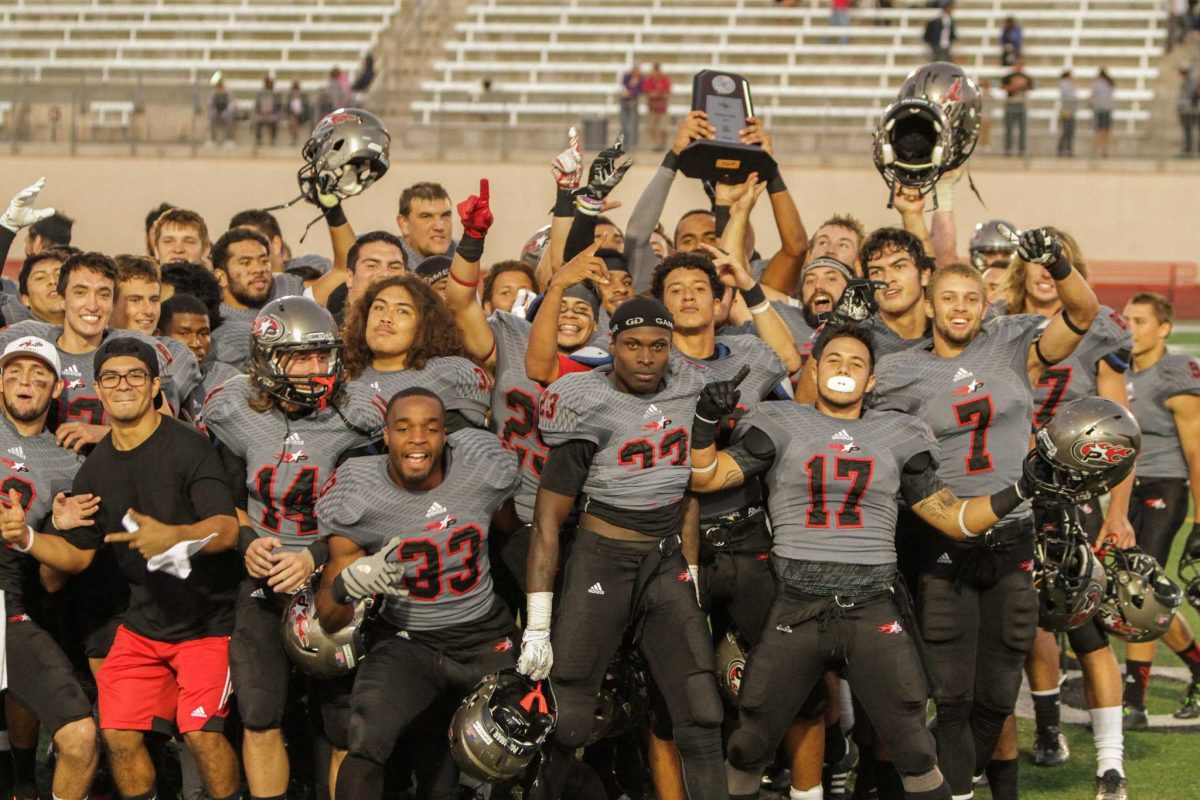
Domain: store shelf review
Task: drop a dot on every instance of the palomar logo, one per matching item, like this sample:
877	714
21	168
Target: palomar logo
1102	452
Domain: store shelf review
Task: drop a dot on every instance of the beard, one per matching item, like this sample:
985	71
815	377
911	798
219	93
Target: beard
29	415
957	339
813	317
247	298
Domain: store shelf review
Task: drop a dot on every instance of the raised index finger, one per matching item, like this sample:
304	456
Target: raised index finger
484	190
741	374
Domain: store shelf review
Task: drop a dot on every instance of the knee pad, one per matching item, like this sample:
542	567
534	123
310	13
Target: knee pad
1019	612
576	718
1088	637
955	712
704	702
748	751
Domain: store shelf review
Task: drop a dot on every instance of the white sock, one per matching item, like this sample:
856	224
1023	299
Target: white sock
845	707
814	793
970	796
1109	739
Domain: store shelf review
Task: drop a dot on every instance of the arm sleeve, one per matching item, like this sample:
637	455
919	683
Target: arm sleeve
919	478
7	237
754	453
645	216
567	467
581	235
233	467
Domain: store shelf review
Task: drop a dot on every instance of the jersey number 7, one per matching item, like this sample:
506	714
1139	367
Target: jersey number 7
977	415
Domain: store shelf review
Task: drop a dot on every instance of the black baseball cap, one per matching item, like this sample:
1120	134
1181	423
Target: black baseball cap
117	346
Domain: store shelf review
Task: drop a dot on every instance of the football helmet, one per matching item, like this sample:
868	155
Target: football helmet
315	652
931	128
1189	568
1088	447
501	724
347	152
531	251
731	653
623	698
1070	580
295	325
989	245
1141	600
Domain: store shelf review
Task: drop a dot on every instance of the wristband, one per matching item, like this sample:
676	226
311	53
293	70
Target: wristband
461	282
537	610
1075	329
470	248
943	192
340	595
776	184
702	470
1060	270
589	206
1005	501
27	547
564	203
671	161
335	217
319	552
704	432
754	297
246	537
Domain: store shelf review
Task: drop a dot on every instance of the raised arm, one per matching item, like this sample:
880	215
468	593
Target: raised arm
541	356
461	295
341	239
782	272
911	206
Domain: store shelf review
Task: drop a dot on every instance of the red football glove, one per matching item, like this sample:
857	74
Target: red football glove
475	213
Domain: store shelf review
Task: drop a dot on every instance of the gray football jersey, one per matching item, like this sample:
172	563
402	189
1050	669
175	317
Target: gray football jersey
766	373
886	341
79	401
213	375
642	440
515	407
833	491
1149	390
979	404
13	309
231	340
461	385
1075	376
287	460
793	317
444	530
37	469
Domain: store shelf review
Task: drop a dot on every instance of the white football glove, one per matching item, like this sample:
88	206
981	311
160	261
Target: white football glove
537	657
371	575
21	211
567	167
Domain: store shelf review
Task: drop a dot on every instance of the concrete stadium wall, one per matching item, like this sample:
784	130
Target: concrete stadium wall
1126	216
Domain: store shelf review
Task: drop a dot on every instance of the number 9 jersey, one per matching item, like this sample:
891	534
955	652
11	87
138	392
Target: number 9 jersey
288	460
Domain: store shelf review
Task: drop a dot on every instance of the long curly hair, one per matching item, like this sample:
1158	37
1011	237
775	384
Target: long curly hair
436	335
1013	289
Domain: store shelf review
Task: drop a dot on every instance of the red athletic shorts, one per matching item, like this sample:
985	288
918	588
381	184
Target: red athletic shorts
163	686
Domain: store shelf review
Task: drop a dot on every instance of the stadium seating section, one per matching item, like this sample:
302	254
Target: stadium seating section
558	61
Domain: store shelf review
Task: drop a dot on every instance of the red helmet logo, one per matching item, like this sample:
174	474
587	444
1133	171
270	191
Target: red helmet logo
267	328
1102	452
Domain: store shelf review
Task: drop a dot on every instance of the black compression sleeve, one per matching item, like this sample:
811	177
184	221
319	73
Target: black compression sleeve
567	467
319	550
754	454
246	537
581	237
7	237
1005	501
919	479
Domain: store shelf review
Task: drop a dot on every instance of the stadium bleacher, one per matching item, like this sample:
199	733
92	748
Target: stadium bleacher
555	62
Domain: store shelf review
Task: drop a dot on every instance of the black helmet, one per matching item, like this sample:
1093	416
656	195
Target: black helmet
315	652
988	244
295	325
931	128
623	697
1189	569
1069	579
501	724
347	152
1088	447
1141	600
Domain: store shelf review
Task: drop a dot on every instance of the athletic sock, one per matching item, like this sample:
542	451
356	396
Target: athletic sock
24	771
1190	655
1137	680
815	793
1004	779
150	795
1109	739
835	744
1047	710
887	781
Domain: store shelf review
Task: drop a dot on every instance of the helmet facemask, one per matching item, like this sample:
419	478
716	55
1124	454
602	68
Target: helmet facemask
314	391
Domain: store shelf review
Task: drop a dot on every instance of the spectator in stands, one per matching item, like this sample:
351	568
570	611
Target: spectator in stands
1068	107
339	89
267	110
1103	103
1178	13
220	115
366	76
657	87
839	16
54	230
1189	117
631	95
1011	40
940	32
425	223
1016	85
180	235
299	111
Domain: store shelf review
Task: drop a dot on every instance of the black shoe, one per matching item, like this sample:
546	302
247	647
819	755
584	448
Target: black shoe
834	776
1135	719
1050	747
1191	702
1112	786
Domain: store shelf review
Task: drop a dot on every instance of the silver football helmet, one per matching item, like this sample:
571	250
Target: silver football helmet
315	652
931	128
989	245
295	325
531	251
1088	447
1141	600
731	653
347	152
1070	580
500	726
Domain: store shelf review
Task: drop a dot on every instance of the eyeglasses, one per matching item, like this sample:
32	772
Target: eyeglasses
135	378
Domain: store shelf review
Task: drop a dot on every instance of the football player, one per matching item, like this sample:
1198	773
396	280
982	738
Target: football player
1165	399
281	431
442	627
974	387
619	438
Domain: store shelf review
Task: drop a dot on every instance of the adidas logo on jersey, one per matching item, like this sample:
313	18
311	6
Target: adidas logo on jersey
652	411
71	371
293	440
434	510
944	558
963	374
17	451
199	713
596	588
843	435
259	594
375	386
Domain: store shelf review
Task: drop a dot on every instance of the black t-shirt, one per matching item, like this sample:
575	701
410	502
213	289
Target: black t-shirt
175	476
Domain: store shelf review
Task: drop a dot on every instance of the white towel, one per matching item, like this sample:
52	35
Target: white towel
177	561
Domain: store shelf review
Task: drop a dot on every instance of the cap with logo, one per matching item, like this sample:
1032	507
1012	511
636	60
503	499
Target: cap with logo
32	347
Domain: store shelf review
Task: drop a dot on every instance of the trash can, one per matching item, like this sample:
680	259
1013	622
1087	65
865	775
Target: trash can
595	133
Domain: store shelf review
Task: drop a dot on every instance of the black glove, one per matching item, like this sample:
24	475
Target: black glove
1039	246
603	176
1191	547
857	302
717	399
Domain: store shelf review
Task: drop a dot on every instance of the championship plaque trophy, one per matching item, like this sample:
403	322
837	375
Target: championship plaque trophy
725	97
